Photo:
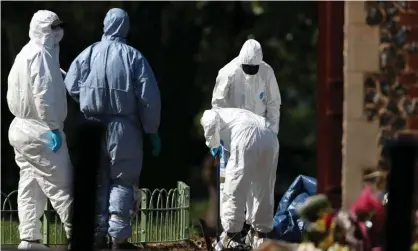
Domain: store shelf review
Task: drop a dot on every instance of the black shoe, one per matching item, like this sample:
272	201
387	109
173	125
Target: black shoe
245	231
246	227
232	240
125	246
101	243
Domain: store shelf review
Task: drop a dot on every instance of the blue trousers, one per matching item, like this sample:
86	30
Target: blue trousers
115	208
120	170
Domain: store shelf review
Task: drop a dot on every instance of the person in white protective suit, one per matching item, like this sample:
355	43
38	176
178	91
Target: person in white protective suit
250	172
36	96
249	83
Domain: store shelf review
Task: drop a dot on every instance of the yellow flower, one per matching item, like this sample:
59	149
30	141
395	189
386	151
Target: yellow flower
338	247
327	241
320	225
415	247
307	246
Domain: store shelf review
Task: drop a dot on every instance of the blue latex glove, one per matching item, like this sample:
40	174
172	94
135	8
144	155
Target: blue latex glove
55	140
216	151
156	144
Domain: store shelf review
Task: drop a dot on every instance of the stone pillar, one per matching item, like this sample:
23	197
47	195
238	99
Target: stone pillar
361	56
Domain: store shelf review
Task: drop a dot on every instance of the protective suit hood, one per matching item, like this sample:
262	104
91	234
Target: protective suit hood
210	122
116	25
251	53
40	29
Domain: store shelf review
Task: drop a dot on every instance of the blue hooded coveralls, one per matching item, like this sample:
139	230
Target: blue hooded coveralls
115	85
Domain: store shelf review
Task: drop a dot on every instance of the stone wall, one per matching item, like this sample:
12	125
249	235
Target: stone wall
380	85
361	55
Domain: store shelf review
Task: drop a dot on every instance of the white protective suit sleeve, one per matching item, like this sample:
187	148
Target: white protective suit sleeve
43	90
274	101
210	122
220	97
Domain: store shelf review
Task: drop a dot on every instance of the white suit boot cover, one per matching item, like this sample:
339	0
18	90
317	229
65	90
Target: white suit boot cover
226	241
218	245
27	245
249	238
255	239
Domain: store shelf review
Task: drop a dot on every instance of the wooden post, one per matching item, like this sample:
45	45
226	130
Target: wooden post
330	99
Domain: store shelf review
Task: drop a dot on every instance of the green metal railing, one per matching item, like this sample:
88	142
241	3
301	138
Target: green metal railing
163	216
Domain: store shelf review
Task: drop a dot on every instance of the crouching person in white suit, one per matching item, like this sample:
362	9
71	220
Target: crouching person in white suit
250	172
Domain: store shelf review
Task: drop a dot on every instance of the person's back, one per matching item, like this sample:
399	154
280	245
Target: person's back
116	87
250	173
239	125
19	82
41	47
111	85
237	117
111	77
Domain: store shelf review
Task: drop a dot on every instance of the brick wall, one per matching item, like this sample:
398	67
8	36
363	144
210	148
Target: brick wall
380	85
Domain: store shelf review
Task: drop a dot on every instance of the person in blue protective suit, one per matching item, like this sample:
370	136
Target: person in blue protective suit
115	85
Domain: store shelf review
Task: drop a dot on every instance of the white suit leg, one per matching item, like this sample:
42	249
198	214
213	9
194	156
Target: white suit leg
222	165
236	187
57	183
30	201
52	173
249	207
221	190
263	189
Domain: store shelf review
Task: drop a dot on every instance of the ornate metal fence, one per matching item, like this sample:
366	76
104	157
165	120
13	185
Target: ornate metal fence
163	216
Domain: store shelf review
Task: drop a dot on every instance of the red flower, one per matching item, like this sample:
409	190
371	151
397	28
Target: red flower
368	204
328	220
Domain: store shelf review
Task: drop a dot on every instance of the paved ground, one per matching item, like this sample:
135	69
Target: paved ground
180	246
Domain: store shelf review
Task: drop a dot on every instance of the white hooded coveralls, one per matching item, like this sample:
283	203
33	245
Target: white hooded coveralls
250	174
36	96
258	93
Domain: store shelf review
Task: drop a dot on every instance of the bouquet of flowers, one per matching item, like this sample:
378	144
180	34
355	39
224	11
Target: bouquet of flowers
359	229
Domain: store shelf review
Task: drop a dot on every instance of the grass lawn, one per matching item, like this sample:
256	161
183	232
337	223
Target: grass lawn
159	228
